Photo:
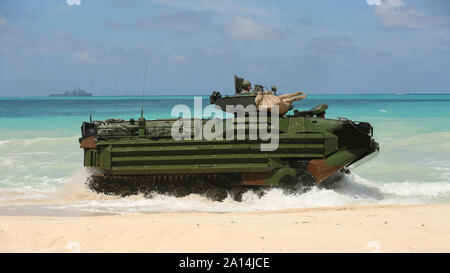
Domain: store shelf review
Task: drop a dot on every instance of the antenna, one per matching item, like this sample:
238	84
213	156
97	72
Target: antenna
143	84
92	90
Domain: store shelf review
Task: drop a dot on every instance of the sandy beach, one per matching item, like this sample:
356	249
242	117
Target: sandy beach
389	228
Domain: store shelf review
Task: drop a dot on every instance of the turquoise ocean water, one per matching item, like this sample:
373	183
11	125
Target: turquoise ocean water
41	163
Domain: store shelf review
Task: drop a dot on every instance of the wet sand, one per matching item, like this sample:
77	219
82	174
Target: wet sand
388	228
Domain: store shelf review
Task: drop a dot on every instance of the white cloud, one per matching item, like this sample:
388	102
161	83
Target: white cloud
245	28
176	58
373	2
15	41
221	7
212	51
395	13
2	22
73	2
333	45
85	57
177	21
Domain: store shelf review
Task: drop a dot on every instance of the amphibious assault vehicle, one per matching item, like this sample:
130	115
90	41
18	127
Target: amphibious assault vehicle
142	156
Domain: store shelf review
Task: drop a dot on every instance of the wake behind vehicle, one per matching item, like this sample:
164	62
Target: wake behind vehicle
142	156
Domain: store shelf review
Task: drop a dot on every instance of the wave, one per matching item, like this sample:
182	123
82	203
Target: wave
3	142
32	140
346	190
407	188
47	173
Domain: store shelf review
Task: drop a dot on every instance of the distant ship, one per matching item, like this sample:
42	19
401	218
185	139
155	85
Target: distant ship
75	93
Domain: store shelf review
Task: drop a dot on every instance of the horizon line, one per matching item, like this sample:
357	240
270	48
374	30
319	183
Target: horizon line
203	95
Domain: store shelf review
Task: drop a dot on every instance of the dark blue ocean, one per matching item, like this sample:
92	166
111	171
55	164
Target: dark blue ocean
41	162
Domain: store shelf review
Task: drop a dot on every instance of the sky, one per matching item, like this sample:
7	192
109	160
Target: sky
197	46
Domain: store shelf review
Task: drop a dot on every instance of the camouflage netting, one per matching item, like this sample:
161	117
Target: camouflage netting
118	129
154	129
266	100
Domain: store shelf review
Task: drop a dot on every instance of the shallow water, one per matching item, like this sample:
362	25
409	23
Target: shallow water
41	162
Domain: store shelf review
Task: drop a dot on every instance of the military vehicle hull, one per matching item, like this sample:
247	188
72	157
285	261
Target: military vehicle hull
130	157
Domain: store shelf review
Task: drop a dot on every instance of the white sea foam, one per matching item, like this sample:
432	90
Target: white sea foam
408	188
46	173
3	142
350	190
